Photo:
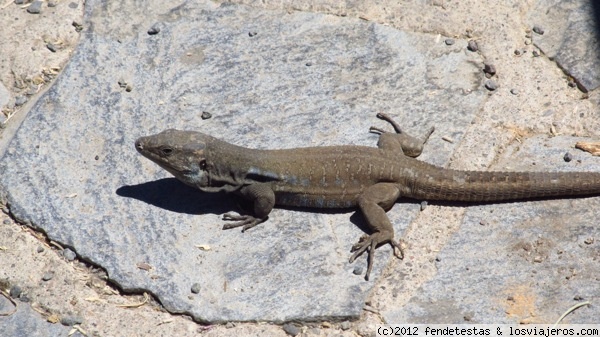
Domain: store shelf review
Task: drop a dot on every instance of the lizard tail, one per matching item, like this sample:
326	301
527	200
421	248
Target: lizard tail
480	186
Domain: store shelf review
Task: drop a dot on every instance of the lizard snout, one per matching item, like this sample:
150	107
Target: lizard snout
139	145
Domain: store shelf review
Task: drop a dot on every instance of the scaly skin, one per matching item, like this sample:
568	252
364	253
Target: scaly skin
344	177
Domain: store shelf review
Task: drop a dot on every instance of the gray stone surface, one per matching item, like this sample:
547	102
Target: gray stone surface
35	7
570	37
518	262
26	322
4	97
302	79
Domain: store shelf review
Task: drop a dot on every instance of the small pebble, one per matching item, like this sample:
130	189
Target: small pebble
357	270
24	298
52	3
291	329
229	325
514	91
69	254
588	241
472	46
572	83
15	291
196	288
345	325
568	157
535	53
6	221
71	320
449	42
438	259
483	223
251	34
51	47
578	298
155	29
73	5
48	276
35	7
491	85
423	205
40	249
20	100
128	88
19	2
518	52
78	26
308	64
489	69
538	30
206	115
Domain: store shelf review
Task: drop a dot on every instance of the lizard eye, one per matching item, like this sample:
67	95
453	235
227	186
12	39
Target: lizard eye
166	151
203	164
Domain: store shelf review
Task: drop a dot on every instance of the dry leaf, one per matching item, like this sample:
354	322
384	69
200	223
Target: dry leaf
53	318
591	147
135	305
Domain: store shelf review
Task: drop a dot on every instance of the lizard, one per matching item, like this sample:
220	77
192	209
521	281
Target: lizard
371	179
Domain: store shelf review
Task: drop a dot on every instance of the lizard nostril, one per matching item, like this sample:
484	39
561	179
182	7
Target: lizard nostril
138	145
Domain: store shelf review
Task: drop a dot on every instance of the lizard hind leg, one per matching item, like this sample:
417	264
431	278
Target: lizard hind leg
400	141
373	203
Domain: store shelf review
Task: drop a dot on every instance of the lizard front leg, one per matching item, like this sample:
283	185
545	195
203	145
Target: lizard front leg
374	202
263	199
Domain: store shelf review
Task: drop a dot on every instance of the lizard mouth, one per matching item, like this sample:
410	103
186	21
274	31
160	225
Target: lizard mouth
175	171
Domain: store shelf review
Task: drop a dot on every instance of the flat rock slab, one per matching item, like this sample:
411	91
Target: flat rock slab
568	31
24	321
525	262
270	80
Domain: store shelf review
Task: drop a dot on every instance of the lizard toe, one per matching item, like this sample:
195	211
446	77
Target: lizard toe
369	243
244	221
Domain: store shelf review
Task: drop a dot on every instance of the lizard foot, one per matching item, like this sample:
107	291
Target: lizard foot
244	221
370	243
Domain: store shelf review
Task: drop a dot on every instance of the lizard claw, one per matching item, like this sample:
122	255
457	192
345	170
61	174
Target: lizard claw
370	243
244	221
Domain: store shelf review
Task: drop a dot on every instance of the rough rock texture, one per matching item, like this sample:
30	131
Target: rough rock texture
571	37
522	262
26	322
271	79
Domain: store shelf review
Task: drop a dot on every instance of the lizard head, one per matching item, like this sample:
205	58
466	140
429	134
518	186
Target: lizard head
182	153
